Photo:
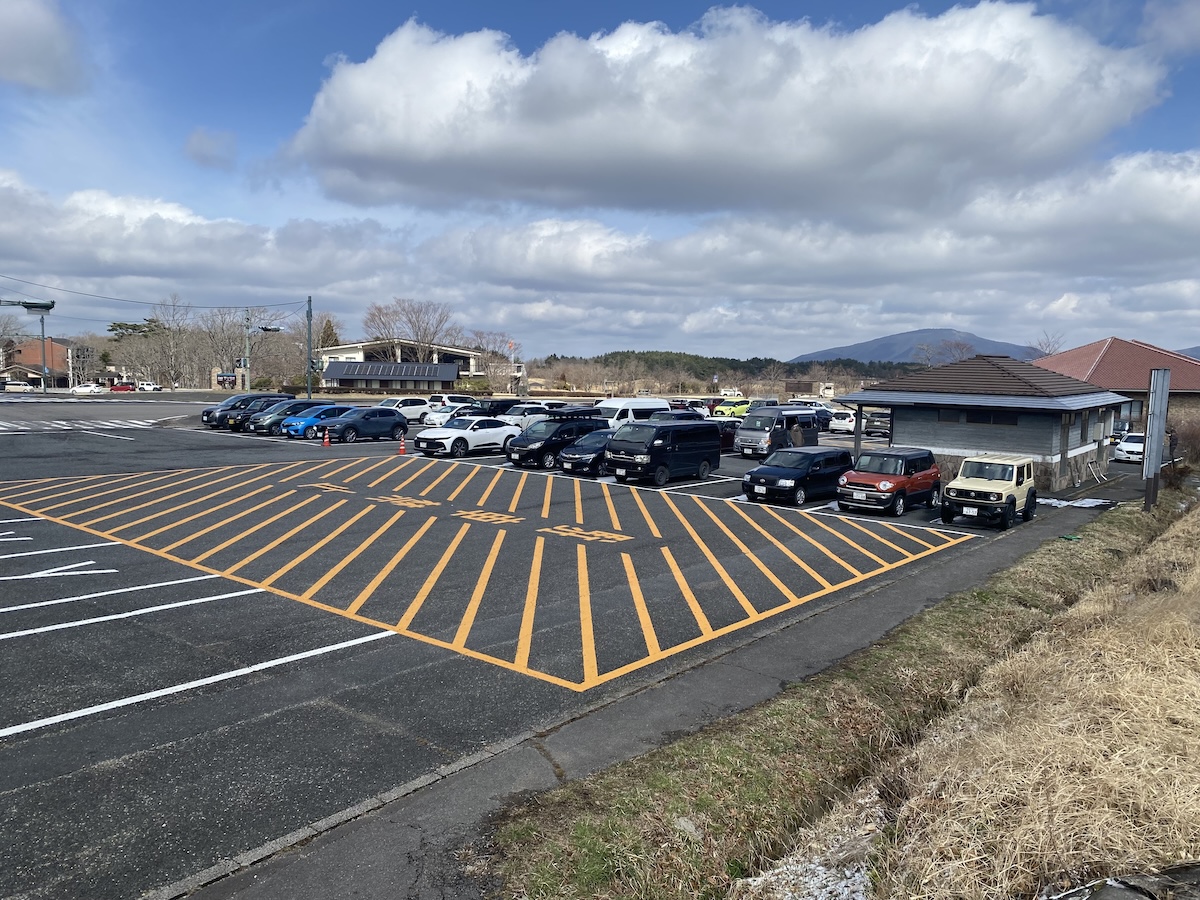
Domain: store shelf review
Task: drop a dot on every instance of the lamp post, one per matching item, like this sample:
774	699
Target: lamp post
41	307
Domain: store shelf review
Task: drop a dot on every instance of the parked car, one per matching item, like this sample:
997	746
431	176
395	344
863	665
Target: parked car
769	428
466	434
879	423
796	474
439	400
497	407
79	389
310	423
444	414
729	427
215	416
842	422
587	456
270	419
676	415
149	386
237	418
892	479
1121	428
664	450
619	410
123	386
1131	447
541	442
372	422
992	487
525	414
414	409
732	406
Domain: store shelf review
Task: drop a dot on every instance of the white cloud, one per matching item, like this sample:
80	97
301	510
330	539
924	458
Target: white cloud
38	48
1172	25
739	113
212	149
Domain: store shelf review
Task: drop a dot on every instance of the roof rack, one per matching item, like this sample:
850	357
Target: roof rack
576	412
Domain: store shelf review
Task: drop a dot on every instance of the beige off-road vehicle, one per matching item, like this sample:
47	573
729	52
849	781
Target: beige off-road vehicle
991	487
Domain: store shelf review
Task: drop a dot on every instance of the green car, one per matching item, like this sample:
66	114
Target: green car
734	406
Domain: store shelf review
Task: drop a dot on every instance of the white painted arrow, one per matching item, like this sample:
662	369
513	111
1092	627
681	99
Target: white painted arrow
58	571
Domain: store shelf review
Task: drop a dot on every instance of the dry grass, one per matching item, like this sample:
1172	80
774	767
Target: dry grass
690	819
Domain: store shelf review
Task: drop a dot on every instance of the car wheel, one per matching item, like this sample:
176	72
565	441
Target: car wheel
310	432
749	498
661	476
421	418
548	460
844	507
507	441
798	497
621	479
458	449
1008	516
897	508
274	431
398	432
601	470
703	471
1030	506
935	497
947	515
349	436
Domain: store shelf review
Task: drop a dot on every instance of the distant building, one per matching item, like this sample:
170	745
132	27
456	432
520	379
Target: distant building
23	362
451	364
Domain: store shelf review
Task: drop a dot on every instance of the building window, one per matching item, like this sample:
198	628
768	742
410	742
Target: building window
949	415
991	417
1083	426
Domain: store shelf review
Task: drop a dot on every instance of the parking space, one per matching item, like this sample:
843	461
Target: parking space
570	581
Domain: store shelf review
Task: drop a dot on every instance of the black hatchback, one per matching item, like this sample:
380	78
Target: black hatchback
587	455
541	442
795	474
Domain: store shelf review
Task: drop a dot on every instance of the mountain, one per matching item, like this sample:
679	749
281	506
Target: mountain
903	348
1193	352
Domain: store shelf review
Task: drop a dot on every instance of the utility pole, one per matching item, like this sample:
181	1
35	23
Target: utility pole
41	307
308	357
246	355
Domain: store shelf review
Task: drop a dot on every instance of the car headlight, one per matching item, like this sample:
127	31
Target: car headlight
786	482
765	442
995	498
951	492
642	459
746	477
886	485
841	480
536	445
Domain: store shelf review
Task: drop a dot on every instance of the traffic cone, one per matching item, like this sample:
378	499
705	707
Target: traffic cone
325	443
400	451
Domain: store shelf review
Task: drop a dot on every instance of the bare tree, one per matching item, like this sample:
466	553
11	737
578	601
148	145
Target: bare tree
1048	344
10	327
497	351
167	340
956	351
415	328
925	354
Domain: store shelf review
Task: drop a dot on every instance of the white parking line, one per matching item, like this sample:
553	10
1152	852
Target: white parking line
115	437
124	590
77	623
59	550
28	519
187	686
60	572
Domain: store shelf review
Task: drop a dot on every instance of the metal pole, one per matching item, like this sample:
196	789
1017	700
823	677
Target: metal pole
43	318
246	357
308	373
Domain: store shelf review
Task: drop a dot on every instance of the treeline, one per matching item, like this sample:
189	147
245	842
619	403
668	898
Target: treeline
704	367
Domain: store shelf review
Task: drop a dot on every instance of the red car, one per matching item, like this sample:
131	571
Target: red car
122	386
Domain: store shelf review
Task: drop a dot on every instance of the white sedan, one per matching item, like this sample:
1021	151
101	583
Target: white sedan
89	389
1131	448
444	414
525	414
466	434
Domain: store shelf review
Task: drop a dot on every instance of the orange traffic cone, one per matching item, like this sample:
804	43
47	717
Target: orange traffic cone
400	451
325	443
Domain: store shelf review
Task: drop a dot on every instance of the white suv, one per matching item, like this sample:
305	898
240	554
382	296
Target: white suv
993	487
148	386
414	409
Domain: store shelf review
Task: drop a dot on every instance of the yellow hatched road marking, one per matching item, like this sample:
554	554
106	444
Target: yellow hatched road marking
712	560
512	507
207	498
837	534
414	476
468	619
643	613
263	524
758	563
427	587
877	537
645	512
159	498
692	602
813	573
117	490
439	479
578	504
312	468
391	472
908	534
488	492
325	541
194	516
86	482
353	462
829	553
223	522
462	484
288	535
591	670
525	638
351	556
382	462
365	594
546	500
612	510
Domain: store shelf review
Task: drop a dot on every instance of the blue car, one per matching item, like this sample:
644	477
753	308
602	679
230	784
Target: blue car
311	422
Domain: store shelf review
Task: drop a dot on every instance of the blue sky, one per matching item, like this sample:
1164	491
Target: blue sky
762	180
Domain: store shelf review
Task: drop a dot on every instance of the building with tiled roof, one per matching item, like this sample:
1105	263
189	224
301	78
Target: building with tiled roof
1124	366
1001	405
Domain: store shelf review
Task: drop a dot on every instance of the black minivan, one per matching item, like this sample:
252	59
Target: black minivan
664	450
541	442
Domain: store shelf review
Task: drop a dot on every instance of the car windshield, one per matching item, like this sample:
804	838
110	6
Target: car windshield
635	434
593	440
988	471
787	459
879	464
758	423
526	410
1134	439
446	409
459	424
542	429
731	403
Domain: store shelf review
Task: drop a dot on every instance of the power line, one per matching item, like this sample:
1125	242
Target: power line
49	287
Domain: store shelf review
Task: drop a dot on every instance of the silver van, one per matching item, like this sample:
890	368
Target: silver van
766	429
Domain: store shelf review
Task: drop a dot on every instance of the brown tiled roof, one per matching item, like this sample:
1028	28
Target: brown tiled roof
1121	365
996	375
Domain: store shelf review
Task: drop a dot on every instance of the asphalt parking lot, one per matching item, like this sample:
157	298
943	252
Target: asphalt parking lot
212	640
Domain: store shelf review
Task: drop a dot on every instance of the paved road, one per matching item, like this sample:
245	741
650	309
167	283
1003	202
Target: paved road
214	640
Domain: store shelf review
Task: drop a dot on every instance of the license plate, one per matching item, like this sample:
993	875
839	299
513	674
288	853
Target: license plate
970	511
514	456
621	472
759	489
859	495
747	452
568	466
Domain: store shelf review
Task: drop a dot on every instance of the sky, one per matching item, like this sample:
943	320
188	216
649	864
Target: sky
737	181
